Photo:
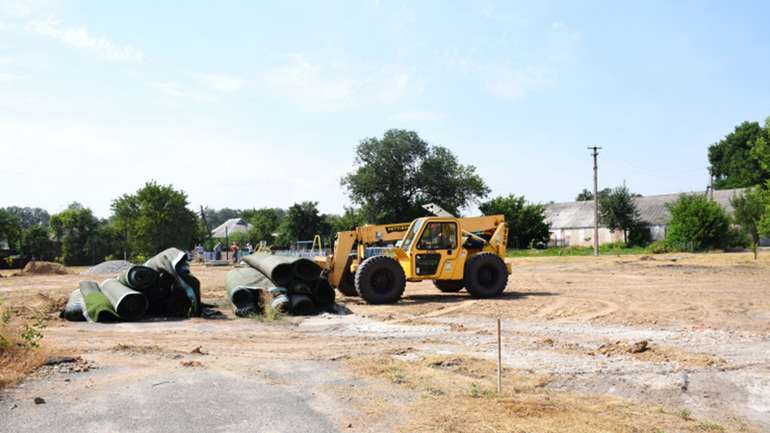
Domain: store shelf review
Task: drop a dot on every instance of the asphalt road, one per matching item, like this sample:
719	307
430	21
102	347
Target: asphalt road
181	402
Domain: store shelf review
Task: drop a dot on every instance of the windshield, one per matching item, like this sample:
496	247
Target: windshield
411	234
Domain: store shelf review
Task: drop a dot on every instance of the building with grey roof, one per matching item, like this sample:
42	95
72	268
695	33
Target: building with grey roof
233	225
572	224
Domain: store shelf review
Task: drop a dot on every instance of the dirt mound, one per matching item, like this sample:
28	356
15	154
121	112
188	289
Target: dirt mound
109	267
44	268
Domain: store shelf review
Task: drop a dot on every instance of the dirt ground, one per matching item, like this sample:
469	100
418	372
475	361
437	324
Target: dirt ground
572	333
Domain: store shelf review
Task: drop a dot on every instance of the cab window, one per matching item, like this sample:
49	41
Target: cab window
411	234
438	236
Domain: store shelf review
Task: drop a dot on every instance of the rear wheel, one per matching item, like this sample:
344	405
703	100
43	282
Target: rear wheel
380	280
449	286
485	275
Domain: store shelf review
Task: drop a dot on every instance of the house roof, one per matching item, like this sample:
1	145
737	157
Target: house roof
652	209
233	225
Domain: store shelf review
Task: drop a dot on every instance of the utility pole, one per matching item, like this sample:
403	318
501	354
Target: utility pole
595	153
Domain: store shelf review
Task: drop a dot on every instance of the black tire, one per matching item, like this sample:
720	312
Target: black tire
449	286
380	280
348	283
485	275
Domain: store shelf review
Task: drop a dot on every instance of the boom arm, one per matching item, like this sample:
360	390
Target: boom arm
368	234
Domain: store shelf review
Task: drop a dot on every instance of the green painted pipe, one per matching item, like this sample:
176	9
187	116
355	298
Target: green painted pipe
128	303
97	308
278	268
73	311
138	277
244	287
173	261
306	269
323	294
301	305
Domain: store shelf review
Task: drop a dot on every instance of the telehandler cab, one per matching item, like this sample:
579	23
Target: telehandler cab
455	252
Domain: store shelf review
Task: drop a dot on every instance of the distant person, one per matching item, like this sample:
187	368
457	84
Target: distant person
218	251
234	249
249	247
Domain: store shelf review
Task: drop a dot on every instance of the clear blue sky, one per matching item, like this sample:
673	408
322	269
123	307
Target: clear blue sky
97	97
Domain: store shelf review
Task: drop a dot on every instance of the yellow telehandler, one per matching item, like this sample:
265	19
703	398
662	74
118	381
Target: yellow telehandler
455	252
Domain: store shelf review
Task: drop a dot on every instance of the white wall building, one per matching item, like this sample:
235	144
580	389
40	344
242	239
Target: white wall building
572	224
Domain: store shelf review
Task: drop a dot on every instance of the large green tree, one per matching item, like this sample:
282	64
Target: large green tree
75	228
398	173
526	221
35	243
302	223
586	195
742	158
30	216
156	217
697	223
618	211
750	208
349	220
265	223
761	149
10	229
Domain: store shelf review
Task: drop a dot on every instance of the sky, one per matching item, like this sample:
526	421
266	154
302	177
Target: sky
261	104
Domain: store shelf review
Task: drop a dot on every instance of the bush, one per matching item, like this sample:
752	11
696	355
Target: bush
526	221
659	247
639	235
697	224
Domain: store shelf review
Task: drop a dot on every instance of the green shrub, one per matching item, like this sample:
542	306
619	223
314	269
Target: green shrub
697	224
659	247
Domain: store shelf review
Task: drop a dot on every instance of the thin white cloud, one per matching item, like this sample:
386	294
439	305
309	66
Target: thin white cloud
561	29
7	77
6	60
79	37
334	85
173	89
223	83
507	82
418	116
303	80
169	88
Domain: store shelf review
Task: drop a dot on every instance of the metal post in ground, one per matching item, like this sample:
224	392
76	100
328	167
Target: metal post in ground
499	360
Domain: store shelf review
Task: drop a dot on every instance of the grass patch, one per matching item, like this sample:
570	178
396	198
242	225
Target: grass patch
20	350
711	427
457	394
269	314
606	249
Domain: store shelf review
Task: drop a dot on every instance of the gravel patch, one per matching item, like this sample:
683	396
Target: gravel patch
108	267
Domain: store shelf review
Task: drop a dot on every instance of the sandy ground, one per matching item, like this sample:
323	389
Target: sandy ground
568	322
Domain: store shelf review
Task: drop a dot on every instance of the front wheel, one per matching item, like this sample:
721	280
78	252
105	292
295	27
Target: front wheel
380	280
485	275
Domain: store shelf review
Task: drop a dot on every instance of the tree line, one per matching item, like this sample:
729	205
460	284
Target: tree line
392	177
